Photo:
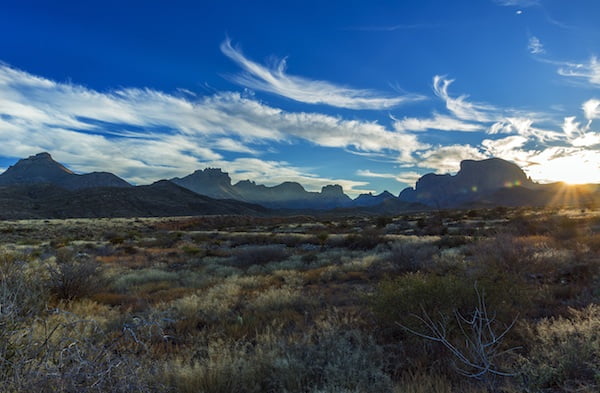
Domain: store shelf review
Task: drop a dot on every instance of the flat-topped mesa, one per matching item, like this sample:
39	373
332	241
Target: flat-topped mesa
42	169
212	182
492	173
332	190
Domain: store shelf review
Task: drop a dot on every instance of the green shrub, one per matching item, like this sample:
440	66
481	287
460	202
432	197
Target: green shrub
400	300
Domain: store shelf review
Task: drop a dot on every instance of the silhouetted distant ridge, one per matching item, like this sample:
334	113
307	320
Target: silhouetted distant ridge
215	183
42	169
364	200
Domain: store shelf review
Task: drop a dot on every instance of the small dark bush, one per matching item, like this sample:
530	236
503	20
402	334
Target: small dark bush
411	257
73	275
365	240
258	255
449	241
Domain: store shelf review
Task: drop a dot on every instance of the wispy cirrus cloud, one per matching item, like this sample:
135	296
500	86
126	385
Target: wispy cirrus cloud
400	26
517	3
589	71
535	46
275	80
406	177
144	135
437	122
459	106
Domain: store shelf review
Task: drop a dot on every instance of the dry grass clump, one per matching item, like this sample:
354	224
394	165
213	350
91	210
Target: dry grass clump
564	352
415	381
212	304
318	361
143	276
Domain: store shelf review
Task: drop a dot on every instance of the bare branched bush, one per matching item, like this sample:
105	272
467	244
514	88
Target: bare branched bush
478	349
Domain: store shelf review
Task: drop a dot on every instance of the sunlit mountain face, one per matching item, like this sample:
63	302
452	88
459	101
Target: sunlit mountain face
370	97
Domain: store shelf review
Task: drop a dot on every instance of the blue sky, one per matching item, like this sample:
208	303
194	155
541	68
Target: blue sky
369	95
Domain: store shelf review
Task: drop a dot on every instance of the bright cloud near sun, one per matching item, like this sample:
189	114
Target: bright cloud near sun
569	166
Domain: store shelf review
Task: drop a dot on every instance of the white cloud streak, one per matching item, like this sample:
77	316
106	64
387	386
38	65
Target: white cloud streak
589	71
460	107
517	3
275	80
437	122
407	177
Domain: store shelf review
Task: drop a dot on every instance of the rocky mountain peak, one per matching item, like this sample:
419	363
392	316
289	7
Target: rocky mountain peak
213	175
39	168
332	190
42	169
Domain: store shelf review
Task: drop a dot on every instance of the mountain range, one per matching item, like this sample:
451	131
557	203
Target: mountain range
40	187
215	183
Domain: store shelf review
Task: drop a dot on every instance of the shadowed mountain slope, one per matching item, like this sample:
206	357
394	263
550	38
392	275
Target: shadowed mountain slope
160	199
42	169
